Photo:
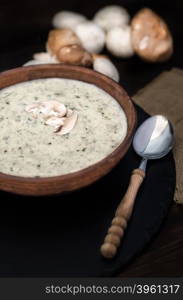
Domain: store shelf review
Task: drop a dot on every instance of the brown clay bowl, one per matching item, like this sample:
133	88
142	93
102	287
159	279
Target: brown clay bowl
76	180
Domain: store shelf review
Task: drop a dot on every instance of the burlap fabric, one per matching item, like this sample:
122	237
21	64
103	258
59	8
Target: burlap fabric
164	95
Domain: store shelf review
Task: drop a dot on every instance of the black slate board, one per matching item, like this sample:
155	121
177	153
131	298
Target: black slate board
60	236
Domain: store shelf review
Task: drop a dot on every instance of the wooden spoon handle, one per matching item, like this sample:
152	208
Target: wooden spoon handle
122	215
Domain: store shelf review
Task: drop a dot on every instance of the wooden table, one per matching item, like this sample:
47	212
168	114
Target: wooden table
164	255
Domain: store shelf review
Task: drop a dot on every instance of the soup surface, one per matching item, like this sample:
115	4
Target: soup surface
30	148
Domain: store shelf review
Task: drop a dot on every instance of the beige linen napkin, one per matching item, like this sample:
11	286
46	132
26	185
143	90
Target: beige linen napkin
164	95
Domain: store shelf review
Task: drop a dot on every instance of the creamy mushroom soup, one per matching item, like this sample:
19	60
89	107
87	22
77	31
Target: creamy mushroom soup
31	148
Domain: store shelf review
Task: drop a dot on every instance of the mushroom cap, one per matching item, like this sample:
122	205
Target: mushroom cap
54	121
58	38
91	36
118	41
103	65
74	54
69	123
67	19
111	16
45	57
151	38
37	62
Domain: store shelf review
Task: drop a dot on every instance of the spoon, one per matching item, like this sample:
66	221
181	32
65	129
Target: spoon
152	140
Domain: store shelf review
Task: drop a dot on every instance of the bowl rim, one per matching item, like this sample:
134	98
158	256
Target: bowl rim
71	68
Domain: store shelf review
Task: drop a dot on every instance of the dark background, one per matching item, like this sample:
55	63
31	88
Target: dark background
24	26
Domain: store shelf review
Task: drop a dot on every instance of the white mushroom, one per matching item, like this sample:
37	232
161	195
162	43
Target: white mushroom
33	108
33	62
111	16
55	114
41	58
69	124
52	108
67	19
45	57
47	108
91	36
103	65
55	122
118	41
59	108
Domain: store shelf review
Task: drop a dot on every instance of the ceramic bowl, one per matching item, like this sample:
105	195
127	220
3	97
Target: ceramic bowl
84	177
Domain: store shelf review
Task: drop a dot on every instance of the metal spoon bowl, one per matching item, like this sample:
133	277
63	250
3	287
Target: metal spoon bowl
154	138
